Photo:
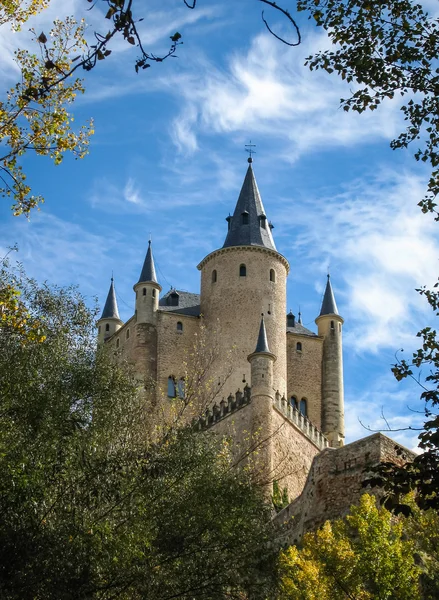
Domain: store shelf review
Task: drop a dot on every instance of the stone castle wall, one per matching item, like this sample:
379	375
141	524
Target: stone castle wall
334	483
304	373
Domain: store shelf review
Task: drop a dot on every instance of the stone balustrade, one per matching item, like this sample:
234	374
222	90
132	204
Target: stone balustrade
300	421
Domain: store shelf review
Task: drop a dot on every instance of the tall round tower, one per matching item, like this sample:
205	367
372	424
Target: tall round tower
241	280
329	324
110	321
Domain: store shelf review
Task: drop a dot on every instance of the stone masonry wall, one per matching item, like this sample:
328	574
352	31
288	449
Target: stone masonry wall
232	307
304	373
334	483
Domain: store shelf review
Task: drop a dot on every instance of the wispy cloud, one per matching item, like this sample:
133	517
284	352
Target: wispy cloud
380	248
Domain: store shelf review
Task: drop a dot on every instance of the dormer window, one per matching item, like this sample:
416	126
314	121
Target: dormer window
244	217
263	221
172	299
291	320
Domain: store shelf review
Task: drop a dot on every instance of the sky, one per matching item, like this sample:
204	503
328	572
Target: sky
168	160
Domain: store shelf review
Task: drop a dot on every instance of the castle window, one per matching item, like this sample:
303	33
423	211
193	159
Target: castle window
293	402
263	221
172	299
180	386
128	334
144	291
179	326
117	343
242	270
299	346
99	329
272	275
332	324
244	216
339	326
214	276
153	293
107	327
171	387
302	407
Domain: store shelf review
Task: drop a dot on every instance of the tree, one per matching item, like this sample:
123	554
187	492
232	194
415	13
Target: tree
365	556
390	48
98	503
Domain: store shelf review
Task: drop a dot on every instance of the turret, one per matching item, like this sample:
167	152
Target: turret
262	399
329	324
110	321
147	291
241	280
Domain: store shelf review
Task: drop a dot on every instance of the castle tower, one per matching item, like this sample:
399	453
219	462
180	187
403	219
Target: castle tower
329	324
110	321
241	280
262	399
147	291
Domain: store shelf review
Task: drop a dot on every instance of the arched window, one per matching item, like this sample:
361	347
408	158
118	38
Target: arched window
272	275
332	324
293	402
244	216
107	327
302	407
171	387
299	346
117	343
144	291
214	276
180	386
153	293
179	326
242	270
128	334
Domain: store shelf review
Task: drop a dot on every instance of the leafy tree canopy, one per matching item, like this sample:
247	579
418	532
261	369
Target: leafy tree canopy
96	501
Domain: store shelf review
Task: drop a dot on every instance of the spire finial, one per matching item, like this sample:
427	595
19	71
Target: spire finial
249	148
300	316
112	278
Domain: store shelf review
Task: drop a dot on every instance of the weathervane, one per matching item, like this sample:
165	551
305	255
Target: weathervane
249	148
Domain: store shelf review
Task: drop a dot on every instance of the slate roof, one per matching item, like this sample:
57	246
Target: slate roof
148	270
301	330
110	309
262	344
188	303
329	307
250	204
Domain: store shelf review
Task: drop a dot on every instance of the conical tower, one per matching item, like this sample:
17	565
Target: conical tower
329	324
241	280
110	321
147	291
262	399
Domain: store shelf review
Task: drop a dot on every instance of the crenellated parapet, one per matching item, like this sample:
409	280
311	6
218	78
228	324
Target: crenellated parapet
300	421
225	408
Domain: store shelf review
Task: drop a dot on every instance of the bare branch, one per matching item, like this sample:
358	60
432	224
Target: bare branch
290	19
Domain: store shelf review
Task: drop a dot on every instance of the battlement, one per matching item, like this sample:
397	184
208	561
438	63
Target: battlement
225	408
300	421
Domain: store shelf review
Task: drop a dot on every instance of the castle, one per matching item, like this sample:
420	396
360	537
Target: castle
278	386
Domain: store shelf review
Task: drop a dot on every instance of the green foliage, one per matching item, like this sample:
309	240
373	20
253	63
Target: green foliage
365	556
279	498
390	48
96	502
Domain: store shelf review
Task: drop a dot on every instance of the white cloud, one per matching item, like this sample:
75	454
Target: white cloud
380	248
270	91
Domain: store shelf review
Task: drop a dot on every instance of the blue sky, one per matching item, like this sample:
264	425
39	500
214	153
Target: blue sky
168	160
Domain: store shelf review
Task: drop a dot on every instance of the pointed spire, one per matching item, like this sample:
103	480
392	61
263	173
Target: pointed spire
300	317
262	345
249	225
110	309
148	270
329	307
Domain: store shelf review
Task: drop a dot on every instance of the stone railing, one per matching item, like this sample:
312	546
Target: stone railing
223	409
300	421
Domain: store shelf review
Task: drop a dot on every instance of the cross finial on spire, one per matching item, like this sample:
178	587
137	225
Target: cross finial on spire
112	278
249	148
